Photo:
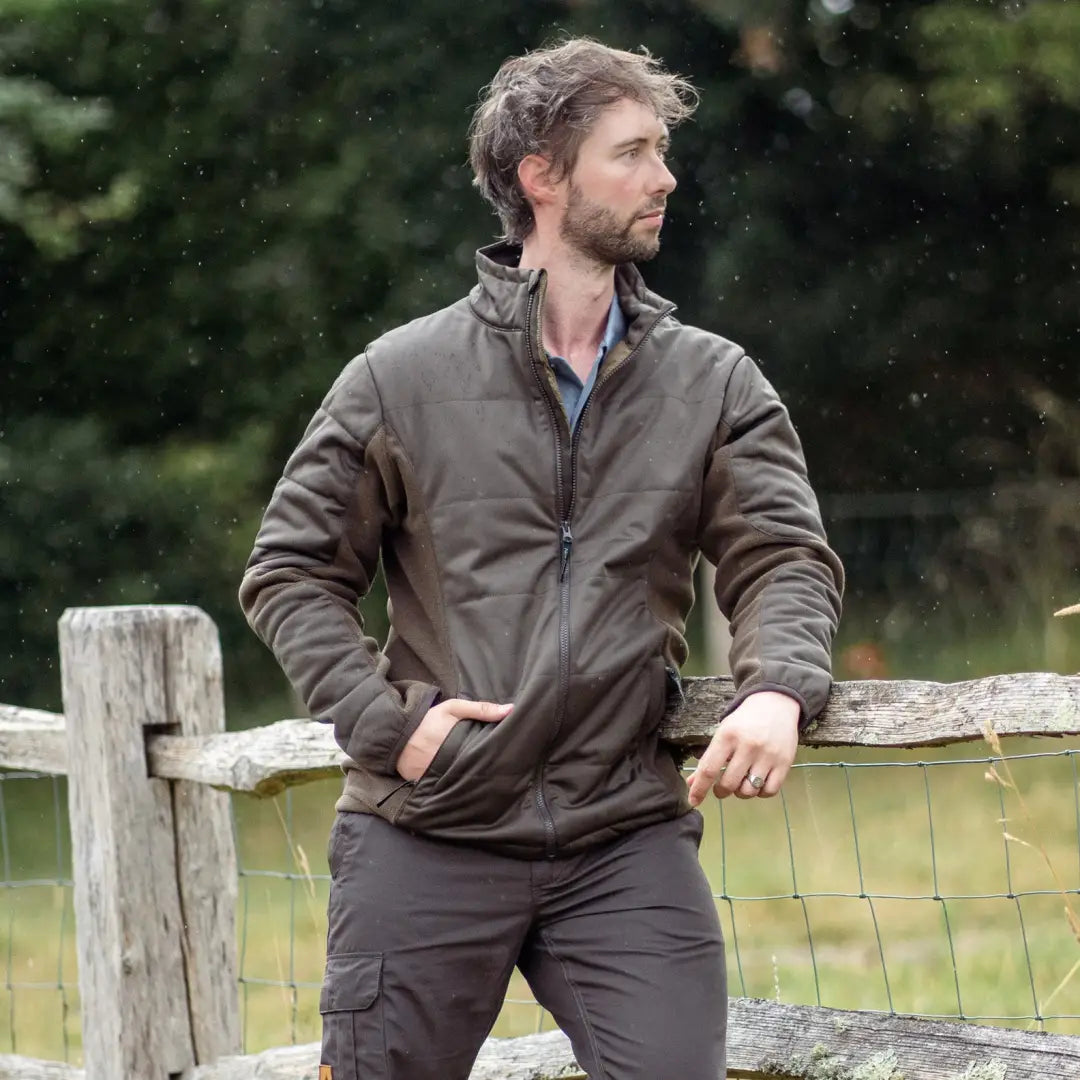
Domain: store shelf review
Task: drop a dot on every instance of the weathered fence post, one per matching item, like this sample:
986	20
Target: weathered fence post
154	860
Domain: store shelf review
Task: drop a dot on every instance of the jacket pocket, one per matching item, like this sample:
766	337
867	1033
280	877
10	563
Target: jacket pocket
384	795
657	691
446	753
352	1010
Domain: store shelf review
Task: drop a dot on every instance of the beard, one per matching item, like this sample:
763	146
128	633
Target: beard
601	235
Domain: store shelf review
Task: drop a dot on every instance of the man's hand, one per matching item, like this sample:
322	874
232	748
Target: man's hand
758	739
431	732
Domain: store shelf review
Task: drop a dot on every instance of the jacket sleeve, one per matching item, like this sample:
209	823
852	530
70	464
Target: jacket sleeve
777	581
315	556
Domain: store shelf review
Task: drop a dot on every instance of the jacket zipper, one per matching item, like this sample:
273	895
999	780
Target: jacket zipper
551	845
566	536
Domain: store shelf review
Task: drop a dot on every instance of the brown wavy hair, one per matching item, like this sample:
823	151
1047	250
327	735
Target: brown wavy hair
547	101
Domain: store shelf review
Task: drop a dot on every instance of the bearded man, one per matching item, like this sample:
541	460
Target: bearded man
539	467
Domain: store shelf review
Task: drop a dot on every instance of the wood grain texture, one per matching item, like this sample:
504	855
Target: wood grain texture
281	1063
33	740
128	920
262	761
200	817
907	713
804	1043
767	1041
869	713
530	1057
208	880
13	1067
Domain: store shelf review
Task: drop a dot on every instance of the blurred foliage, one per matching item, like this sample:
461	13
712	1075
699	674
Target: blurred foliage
206	208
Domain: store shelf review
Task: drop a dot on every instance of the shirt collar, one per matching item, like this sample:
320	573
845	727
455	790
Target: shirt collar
616	327
614	332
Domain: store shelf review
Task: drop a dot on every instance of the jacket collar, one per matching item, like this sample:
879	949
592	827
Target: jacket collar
501	296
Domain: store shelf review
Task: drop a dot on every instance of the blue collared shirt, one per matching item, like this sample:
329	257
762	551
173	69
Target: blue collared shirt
575	392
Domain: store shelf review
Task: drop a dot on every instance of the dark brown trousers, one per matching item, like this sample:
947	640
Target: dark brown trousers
621	944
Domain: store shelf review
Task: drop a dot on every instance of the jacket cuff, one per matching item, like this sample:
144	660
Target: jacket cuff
386	725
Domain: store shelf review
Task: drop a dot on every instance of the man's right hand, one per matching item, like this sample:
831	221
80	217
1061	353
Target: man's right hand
432	731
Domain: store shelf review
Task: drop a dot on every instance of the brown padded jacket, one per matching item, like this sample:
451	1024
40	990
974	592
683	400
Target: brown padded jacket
528	565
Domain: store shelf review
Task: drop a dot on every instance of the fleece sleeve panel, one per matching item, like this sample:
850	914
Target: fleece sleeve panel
315	556
777	581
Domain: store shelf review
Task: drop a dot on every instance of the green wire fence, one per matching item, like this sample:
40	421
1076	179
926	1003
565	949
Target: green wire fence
899	940
883	884
847	891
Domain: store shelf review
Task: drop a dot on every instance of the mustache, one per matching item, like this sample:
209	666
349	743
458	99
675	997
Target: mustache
653	209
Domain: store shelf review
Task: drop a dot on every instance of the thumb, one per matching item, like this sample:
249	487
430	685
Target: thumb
478	710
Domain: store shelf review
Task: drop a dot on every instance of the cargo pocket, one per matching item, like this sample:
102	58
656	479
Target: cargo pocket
353	1043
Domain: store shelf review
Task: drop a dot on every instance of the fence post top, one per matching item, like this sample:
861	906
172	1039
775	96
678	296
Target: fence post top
132	615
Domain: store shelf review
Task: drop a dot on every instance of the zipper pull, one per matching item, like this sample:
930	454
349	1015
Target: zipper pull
567	544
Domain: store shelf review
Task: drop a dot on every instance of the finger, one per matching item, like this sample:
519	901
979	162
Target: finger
488	711
774	781
731	781
697	787
698	784
709	769
746	789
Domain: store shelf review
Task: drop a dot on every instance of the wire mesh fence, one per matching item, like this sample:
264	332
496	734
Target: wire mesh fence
284	889
943	888
39	1008
936	883
929	884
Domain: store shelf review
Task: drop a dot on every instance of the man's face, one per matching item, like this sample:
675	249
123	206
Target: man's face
616	192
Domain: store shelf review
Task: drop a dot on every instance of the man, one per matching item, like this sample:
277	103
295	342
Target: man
538	467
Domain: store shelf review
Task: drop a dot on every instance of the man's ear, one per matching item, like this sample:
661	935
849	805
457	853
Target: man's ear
536	176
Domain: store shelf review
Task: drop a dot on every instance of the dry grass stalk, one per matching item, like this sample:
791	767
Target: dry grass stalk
1005	779
1074	609
300	860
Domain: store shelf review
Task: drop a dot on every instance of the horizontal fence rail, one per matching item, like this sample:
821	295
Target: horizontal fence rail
895	714
151	676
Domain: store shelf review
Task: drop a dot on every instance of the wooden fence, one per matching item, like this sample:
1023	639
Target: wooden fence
150	770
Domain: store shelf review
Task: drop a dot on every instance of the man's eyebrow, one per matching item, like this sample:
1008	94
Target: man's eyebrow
641	140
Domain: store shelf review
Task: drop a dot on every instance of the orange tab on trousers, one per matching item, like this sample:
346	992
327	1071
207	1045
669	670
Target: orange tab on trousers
326	1073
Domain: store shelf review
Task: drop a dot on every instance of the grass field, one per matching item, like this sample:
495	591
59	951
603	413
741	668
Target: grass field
903	876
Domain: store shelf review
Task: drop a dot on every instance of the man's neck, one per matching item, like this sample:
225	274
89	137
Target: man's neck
576	304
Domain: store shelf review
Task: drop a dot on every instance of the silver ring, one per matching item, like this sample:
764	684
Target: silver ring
756	782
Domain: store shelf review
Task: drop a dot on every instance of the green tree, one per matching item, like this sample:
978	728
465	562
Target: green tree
206	209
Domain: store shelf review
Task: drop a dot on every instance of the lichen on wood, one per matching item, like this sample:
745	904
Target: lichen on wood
822	1064
990	1070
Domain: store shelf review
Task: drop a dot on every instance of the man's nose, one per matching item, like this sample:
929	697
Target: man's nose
665	180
